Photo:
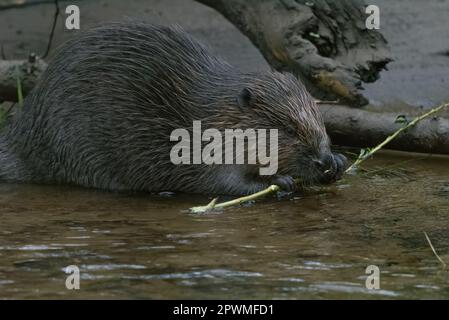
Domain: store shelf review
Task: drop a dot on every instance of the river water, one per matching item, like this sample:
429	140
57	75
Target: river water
313	245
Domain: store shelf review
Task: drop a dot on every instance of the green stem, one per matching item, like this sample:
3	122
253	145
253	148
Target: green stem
19	88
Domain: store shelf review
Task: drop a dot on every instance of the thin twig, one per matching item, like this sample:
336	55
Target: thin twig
434	251
53	27
52	32
212	205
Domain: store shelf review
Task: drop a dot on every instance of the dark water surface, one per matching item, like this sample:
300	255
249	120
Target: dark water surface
315	245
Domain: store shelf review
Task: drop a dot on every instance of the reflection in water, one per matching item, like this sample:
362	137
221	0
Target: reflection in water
315	245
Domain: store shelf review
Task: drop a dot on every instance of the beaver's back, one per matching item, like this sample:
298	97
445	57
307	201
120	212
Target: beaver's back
103	92
102	115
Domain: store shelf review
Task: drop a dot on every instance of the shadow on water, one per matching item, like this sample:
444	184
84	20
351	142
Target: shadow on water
315	245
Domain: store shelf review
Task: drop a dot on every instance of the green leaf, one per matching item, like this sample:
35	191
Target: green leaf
401	119
364	152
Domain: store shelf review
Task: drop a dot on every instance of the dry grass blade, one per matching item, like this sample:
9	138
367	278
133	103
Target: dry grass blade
434	251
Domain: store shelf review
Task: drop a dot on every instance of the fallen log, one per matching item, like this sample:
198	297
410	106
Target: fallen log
362	128
324	42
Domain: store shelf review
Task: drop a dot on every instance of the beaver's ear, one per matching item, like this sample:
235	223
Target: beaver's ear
244	98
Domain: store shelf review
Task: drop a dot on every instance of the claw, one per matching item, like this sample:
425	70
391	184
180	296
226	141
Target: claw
287	183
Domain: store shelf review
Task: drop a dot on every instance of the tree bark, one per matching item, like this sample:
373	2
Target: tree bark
324	42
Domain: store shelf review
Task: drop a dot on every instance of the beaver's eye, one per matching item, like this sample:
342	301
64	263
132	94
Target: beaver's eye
290	131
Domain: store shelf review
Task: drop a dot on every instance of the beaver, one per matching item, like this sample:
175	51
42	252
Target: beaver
102	113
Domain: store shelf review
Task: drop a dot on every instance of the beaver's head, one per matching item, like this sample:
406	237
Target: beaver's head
280	101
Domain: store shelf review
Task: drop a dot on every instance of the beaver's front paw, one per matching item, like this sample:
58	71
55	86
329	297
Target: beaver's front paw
287	183
341	165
